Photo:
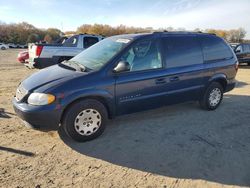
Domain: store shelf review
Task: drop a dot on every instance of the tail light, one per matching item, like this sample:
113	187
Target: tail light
39	50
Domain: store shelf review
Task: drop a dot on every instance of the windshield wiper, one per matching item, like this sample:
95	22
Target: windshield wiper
75	65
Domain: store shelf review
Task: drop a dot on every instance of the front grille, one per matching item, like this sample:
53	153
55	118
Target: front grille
21	92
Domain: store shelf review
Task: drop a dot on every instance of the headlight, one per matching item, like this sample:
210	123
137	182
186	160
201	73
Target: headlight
40	99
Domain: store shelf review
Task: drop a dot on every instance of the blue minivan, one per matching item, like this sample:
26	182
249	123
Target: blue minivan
124	74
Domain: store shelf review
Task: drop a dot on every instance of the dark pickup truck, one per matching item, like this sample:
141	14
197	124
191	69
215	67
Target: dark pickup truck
242	52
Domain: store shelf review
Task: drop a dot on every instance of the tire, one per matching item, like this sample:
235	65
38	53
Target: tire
212	96
81	121
3	48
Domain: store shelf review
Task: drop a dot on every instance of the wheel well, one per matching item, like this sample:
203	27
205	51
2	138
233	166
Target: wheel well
98	98
223	82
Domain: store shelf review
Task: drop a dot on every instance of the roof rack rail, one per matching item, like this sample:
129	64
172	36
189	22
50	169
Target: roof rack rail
164	31
206	33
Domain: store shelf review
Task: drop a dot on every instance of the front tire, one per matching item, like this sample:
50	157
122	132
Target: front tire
85	120
212	96
3	48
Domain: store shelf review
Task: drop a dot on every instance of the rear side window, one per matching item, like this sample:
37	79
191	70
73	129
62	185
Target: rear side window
182	51
71	42
214	48
89	41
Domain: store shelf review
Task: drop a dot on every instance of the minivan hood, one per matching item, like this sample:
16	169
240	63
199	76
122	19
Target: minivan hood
53	74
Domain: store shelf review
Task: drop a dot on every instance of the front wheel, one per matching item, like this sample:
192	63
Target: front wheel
212	97
3	48
85	120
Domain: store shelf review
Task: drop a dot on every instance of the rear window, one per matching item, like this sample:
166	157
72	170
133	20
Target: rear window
182	51
214	48
89	41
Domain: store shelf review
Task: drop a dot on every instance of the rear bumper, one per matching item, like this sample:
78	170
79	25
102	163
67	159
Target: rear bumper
45	118
230	85
40	63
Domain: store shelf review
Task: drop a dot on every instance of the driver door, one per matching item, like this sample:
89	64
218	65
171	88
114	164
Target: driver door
142	87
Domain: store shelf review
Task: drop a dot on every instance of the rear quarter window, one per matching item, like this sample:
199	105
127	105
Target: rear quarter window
71	42
214	48
181	51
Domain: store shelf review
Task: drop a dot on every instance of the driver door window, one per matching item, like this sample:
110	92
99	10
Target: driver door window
143	55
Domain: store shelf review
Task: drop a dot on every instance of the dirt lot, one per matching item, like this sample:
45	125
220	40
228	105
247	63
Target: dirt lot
174	146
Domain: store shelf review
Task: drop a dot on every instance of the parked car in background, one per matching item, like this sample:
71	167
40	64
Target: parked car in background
22	46
11	45
23	56
125	74
243	53
233	45
44	55
3	46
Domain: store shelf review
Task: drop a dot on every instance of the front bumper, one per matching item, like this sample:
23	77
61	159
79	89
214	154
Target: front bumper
45	118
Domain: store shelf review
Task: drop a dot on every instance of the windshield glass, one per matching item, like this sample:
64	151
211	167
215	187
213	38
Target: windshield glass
99	54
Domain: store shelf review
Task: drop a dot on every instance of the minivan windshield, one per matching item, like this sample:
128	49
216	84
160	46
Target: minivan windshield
98	55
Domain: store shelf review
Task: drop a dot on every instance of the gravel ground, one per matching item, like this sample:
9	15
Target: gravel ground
174	146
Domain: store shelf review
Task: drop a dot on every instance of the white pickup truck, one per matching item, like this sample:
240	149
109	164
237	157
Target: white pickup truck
44	55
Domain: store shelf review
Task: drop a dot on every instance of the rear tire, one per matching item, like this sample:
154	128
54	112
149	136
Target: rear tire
3	48
85	120
212	96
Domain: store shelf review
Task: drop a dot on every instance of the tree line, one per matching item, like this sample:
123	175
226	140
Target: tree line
23	33
233	35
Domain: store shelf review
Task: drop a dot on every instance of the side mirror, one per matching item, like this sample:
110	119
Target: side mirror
122	66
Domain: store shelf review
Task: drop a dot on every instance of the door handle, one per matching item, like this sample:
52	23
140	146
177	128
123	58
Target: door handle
174	79
160	81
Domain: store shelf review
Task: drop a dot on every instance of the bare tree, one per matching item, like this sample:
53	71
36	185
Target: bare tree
236	35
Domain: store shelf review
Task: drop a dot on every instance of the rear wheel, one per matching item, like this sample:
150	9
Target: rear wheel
85	120
212	97
3	48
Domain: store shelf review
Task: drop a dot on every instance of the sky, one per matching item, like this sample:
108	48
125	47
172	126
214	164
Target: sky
70	14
